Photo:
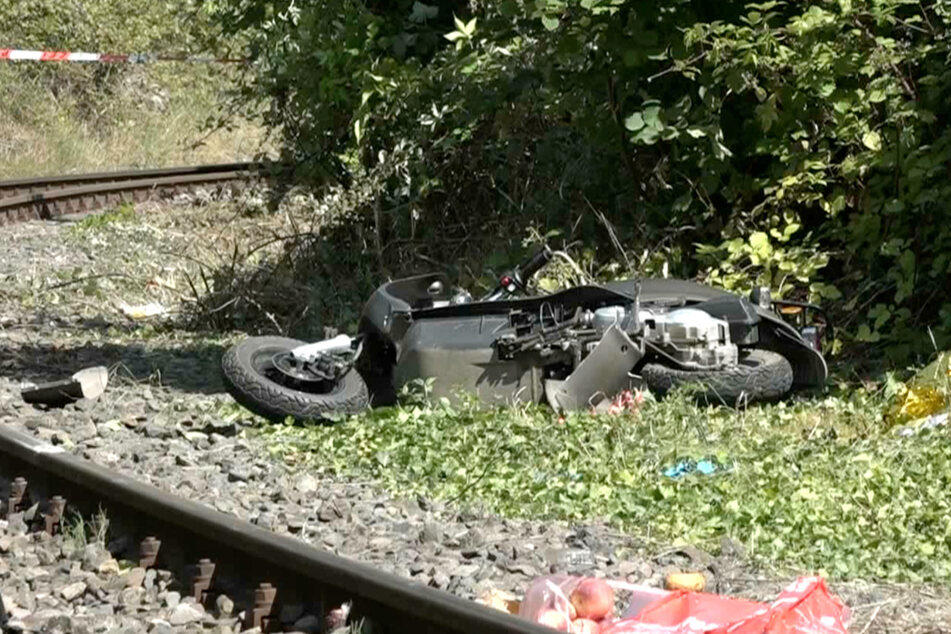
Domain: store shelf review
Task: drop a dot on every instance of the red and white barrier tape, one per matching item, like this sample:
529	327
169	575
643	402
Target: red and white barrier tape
13	54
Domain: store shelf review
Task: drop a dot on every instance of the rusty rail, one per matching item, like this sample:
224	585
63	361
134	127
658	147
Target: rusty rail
51	196
210	552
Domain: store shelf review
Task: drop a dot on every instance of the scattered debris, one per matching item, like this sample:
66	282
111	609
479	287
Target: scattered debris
88	384
691	581
804	606
500	600
627	401
143	311
923	424
590	605
924	396
337	618
685	467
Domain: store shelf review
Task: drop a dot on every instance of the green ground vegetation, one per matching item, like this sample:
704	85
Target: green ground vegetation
815	485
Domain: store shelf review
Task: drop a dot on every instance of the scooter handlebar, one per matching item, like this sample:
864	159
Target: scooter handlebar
534	264
510	282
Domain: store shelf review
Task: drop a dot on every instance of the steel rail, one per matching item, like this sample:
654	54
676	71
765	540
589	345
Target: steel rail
51	196
18	186
297	570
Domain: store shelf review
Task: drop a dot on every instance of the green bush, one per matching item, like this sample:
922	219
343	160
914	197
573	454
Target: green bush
801	145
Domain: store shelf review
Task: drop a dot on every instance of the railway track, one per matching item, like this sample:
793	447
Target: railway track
51	196
210	552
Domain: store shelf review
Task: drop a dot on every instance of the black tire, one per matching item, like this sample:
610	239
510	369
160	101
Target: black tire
760	375
241	370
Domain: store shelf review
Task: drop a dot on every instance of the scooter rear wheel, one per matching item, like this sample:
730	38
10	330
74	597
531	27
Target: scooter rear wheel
760	375
250	377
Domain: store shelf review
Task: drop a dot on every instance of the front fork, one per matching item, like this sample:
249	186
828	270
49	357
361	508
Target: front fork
308	353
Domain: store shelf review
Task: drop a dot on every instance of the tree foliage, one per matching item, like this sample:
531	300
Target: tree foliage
802	145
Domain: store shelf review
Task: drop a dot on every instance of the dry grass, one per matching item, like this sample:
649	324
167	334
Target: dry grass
151	252
145	117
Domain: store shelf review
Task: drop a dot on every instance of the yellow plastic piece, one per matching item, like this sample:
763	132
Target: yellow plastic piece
691	581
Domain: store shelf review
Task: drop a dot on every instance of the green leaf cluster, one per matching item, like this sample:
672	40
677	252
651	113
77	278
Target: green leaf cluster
809	486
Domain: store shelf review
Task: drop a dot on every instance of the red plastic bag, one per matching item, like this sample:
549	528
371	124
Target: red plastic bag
805	607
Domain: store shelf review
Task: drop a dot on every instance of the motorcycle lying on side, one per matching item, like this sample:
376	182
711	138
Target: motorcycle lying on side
574	349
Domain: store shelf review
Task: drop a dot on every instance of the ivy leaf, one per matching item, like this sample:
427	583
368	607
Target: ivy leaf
647	136
872	140
652	117
550	23
634	122
759	240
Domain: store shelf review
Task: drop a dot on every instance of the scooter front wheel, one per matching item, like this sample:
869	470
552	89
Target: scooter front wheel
252	379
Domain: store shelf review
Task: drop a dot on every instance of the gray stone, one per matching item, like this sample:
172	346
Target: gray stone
16	524
48	621
440	580
331	510
430	533
85	431
239	474
221	427
131	596
224	605
520	568
157	431
172	598
465	570
93	556
635	569
185	613
135	577
35	573
160	626
306	484
73	591
45	556
26	599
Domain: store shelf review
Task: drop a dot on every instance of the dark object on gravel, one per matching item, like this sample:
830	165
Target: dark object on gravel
575	349
89	384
